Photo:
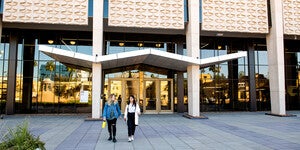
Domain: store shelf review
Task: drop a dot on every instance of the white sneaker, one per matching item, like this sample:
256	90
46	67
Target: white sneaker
132	138
129	139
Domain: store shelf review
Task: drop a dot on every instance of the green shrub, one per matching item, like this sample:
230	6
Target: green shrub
21	139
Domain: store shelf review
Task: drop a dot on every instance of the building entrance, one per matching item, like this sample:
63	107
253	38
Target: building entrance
153	95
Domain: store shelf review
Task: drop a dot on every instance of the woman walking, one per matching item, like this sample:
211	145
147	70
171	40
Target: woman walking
111	113
131	115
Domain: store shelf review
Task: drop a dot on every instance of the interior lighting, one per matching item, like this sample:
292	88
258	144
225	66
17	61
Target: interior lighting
121	44
140	44
50	41
219	47
157	45
72	42
219	34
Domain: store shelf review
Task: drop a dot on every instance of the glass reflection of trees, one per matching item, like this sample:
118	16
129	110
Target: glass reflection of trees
66	83
150	95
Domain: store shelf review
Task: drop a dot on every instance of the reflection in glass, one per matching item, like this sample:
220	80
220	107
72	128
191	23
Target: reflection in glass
165	95
150	95
116	88
58	89
132	88
261	57
4	51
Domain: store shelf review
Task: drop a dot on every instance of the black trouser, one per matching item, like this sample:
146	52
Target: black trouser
131	123
112	124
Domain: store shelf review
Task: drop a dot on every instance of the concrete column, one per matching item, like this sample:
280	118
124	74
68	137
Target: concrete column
11	78
276	59
192	44
97	51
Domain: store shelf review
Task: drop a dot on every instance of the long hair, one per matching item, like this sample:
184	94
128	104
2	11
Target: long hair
109	100
134	102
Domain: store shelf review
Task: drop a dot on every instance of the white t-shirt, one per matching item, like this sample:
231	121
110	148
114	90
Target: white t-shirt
131	108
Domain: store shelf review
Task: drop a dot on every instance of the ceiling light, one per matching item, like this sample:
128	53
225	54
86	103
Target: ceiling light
157	45
219	34
72	42
219	47
140	44
50	41
204	45
121	44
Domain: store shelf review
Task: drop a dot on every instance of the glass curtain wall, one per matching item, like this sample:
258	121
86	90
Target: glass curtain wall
56	88
292	74
4	53
262	80
225	86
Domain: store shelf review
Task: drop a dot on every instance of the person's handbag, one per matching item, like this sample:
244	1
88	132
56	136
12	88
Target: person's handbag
103	124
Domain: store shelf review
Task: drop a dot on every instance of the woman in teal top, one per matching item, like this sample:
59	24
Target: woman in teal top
111	113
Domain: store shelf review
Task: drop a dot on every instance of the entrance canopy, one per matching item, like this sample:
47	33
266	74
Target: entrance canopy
146	56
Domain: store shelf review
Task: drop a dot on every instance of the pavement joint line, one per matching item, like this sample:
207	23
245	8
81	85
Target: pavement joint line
228	130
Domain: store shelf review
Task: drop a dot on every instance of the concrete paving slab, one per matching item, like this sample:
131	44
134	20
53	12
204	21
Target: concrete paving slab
223	130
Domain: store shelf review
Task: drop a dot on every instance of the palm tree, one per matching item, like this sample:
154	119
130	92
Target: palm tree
215	69
71	71
50	66
241	74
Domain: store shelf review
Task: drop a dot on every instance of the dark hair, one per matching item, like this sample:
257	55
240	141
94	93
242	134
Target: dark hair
134	102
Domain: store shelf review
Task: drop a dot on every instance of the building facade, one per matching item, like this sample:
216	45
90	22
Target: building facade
67	56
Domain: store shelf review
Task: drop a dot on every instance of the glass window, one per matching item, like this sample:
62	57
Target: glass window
222	52
185	11
88	50
114	47
1	6
206	53
20	51
105	10
298	58
165	95
243	70
90	8
44	56
224	70
243	60
262	70
4	50
261	57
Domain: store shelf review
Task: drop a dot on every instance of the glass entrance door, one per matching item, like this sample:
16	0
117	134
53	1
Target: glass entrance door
150	100
158	96
115	87
131	87
123	88
166	95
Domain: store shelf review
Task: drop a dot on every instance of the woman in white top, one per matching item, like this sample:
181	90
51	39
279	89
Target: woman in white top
131	115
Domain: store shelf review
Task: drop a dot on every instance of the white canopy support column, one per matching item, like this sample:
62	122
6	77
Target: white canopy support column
193	50
97	51
276	59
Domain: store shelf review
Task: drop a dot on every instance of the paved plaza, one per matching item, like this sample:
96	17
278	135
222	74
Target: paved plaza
223	130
